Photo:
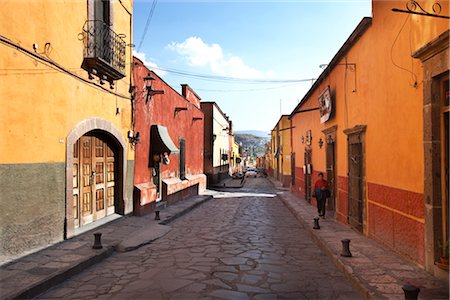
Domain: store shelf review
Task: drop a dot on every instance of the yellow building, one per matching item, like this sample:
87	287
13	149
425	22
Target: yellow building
66	162
235	157
281	148
376	124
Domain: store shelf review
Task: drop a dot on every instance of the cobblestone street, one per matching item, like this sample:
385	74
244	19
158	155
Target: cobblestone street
229	248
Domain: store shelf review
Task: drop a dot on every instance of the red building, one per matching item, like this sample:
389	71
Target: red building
169	154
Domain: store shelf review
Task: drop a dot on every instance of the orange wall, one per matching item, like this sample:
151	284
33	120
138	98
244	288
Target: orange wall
39	105
388	100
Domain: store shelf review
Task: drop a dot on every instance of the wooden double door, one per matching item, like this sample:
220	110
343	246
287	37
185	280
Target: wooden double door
94	179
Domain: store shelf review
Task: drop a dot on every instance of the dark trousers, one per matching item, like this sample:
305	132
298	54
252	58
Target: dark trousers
321	204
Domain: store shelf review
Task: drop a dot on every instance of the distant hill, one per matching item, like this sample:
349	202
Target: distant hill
252	143
258	133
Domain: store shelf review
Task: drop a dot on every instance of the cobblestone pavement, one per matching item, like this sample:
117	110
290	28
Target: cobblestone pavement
229	248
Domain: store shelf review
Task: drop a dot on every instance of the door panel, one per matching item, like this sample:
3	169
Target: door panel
355	186
93	180
331	175
308	177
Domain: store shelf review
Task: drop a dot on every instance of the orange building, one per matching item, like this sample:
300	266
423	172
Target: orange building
66	163
376	123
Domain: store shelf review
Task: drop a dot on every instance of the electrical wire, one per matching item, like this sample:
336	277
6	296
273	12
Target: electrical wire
54	65
413	76
149	18
227	78
247	90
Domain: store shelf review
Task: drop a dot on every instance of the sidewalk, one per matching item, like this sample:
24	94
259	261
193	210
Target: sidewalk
33	274
377	272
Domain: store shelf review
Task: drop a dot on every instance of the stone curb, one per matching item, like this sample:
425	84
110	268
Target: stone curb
58	277
365	292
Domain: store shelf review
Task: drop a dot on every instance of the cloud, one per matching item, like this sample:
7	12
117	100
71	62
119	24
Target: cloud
200	54
148	63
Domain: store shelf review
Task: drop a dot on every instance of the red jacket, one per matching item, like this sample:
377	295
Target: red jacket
321	184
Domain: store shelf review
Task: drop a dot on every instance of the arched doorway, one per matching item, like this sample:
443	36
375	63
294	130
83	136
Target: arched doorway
95	174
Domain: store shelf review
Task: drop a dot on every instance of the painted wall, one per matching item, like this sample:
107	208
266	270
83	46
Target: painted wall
217	142
281	139
40	106
379	93
186	124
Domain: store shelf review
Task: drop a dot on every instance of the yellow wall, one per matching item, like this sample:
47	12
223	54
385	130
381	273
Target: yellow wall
385	99
39	105
282	165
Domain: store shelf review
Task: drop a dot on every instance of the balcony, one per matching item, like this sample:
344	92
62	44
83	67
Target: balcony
104	52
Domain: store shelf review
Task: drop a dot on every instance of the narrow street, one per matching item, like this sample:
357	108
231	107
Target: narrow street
246	247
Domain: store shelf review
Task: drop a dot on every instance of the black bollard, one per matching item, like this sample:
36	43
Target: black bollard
411	292
157	218
97	241
316	223
346	248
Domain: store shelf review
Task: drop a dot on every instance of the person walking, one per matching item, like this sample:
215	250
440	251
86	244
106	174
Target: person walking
321	192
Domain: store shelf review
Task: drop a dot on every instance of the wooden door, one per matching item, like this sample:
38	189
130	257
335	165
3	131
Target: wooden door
93	180
331	174
308	174
293	169
445	111
355	182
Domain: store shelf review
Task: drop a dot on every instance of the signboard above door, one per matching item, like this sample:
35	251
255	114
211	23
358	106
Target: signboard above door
325	105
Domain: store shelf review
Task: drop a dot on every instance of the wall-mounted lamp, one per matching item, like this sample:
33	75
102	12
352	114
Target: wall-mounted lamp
148	81
214	137
320	143
134	138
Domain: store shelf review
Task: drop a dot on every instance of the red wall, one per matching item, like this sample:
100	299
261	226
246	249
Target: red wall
160	109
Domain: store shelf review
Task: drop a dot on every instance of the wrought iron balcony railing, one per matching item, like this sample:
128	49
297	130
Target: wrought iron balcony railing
104	52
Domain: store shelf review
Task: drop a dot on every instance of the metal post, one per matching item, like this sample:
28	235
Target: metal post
97	241
346	248
157	218
411	292
316	223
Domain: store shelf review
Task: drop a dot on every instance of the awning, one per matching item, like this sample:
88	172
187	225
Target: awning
160	141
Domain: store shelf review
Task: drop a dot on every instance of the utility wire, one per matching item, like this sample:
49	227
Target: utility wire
227	78
247	90
149	18
54	65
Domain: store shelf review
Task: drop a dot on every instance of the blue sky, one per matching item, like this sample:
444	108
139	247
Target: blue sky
247	40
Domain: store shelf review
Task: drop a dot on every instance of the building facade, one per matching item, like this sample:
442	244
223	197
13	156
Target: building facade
281	147
169	154
217	148
375	124
66	162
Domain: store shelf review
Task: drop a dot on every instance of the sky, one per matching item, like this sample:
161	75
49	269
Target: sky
256	59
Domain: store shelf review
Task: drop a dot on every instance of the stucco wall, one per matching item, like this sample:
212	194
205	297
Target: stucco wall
41	104
31	207
372	90
183	119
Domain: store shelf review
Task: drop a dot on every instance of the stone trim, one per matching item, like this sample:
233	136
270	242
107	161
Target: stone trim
435	46
75	134
434	57
330	134
356	129
356	135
